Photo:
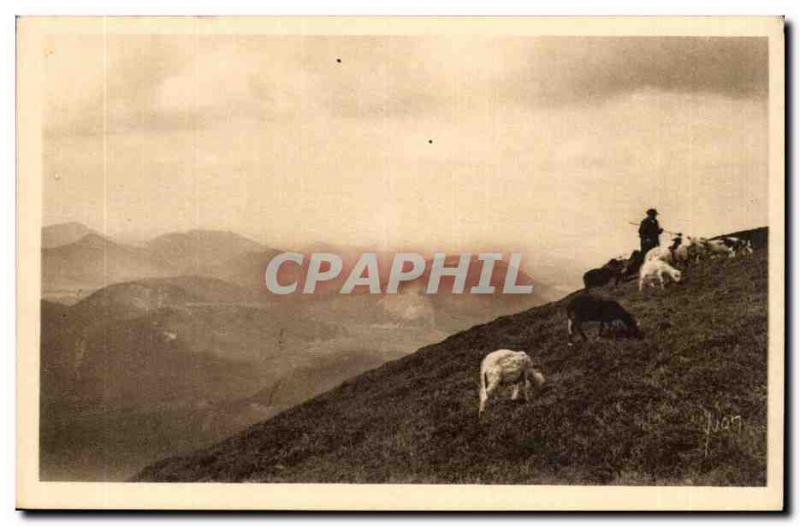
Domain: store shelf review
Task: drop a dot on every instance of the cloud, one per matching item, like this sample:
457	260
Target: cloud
591	69
90	75
163	83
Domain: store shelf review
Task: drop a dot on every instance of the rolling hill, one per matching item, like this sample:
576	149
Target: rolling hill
71	271
191	252
64	234
685	405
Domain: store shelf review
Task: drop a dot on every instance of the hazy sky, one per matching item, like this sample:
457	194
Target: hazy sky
543	145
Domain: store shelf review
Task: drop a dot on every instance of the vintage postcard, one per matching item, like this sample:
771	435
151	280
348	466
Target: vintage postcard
400	263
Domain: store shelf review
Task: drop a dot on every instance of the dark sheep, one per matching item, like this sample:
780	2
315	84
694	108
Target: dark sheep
585	308
598	277
633	265
615	264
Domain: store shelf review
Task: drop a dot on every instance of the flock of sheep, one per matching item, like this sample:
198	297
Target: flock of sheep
515	368
661	261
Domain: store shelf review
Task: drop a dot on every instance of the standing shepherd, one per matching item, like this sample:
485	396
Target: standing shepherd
649	231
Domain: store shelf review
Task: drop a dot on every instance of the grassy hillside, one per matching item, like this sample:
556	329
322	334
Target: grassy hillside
685	405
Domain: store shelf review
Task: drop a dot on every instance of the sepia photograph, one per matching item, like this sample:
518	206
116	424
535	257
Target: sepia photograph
406	262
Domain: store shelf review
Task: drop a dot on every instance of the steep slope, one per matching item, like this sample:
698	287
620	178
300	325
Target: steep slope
480	307
686	405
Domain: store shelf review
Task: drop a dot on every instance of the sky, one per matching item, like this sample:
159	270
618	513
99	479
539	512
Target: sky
548	146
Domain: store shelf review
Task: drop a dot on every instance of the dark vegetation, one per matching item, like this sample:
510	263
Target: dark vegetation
686	405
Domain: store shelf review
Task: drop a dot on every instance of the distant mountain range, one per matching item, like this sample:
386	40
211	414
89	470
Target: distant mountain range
76	260
155	349
92	262
196	251
64	234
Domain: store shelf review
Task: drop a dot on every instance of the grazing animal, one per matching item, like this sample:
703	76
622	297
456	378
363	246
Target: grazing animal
697	248
655	270
688	251
617	263
585	308
633	264
738	245
598	277
506	367
717	247
660	253
683	254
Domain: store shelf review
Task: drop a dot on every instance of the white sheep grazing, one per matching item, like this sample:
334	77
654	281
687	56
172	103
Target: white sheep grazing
655	269
660	253
505	367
